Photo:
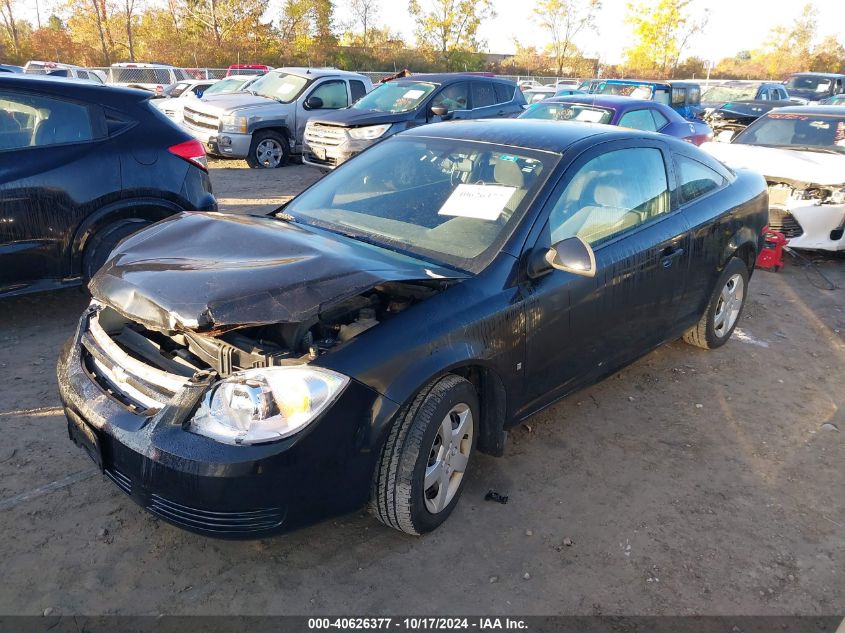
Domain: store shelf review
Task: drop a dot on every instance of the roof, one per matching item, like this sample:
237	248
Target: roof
831	75
62	86
606	101
447	78
546	136
315	72
815	109
651	82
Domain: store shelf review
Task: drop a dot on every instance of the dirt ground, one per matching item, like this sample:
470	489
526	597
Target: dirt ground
692	482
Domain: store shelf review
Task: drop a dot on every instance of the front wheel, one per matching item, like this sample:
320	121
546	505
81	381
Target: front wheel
268	150
422	468
104	242
724	309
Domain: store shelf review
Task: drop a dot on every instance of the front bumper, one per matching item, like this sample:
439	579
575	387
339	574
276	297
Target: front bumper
810	226
218	144
211	488
331	156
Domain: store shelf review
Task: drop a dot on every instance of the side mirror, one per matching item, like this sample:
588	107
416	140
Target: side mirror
572	255
442	112
313	103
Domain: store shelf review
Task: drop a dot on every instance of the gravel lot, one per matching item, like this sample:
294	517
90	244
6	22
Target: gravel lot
690	483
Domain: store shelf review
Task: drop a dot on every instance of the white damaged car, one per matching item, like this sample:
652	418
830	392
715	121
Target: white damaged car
801	152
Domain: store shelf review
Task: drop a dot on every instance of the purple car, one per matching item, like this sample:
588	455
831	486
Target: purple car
638	114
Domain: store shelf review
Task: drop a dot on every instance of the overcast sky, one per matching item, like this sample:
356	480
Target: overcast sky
735	25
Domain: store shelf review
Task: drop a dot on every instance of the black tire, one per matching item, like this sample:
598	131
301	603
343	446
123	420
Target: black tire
104	241
706	334
399	496
258	160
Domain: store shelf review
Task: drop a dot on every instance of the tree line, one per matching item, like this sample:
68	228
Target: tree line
216	33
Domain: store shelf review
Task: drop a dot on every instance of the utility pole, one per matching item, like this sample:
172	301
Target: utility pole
37	14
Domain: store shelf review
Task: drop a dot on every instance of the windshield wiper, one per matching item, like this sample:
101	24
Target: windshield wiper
816	148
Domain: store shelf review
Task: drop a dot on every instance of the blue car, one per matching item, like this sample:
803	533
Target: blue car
637	114
684	97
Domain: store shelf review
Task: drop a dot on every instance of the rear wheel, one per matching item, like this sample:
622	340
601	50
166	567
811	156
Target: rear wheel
104	241
268	150
421	471
722	315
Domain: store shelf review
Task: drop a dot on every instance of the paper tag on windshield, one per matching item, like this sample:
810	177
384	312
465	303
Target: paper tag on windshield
483	202
413	94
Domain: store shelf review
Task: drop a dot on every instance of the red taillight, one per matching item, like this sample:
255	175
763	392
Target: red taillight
191	151
159	89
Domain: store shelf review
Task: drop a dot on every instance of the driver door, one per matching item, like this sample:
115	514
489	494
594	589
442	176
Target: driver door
618	200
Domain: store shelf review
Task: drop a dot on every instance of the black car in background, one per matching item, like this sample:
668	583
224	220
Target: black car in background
810	87
241	376
401	104
731	118
81	167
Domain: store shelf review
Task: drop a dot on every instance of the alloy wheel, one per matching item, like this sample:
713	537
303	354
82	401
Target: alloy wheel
729	305
448	458
269	153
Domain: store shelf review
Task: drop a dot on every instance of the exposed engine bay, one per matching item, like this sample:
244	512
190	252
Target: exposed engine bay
185	352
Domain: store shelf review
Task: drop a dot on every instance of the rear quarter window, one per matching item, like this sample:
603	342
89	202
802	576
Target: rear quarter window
696	179
357	89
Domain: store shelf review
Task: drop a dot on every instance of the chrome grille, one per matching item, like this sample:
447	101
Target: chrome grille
138	385
783	221
200	119
324	135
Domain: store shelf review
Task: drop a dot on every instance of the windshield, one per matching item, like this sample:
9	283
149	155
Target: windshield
279	86
395	96
813	83
626	90
787	129
568	112
729	93
452	202
225	85
747	109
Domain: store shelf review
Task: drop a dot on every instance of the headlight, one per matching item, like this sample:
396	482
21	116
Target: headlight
234	124
262	405
369	132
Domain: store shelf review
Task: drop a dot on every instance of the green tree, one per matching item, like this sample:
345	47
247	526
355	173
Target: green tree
10	23
448	28
563	20
662	31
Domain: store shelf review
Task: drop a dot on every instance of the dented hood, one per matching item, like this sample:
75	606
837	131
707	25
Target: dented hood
777	163
214	271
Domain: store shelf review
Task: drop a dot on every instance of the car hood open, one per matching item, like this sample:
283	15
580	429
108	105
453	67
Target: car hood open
782	164
210	272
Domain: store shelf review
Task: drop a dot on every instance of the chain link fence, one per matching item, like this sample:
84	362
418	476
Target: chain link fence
150	77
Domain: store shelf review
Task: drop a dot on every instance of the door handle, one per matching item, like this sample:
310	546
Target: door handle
670	254
500	113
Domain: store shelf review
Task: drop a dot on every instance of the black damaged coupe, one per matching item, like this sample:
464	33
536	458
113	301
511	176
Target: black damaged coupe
243	376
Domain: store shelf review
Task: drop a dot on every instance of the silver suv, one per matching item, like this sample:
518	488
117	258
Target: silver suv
265	125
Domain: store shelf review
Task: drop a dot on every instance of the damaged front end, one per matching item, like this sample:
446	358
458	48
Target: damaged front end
811	216
143	365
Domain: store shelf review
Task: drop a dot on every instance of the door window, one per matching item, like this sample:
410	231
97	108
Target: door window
452	97
679	96
611	194
696	179
638	120
358	89
36	121
333	94
483	94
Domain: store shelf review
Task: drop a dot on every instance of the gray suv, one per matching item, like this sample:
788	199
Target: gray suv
266	123
396	105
